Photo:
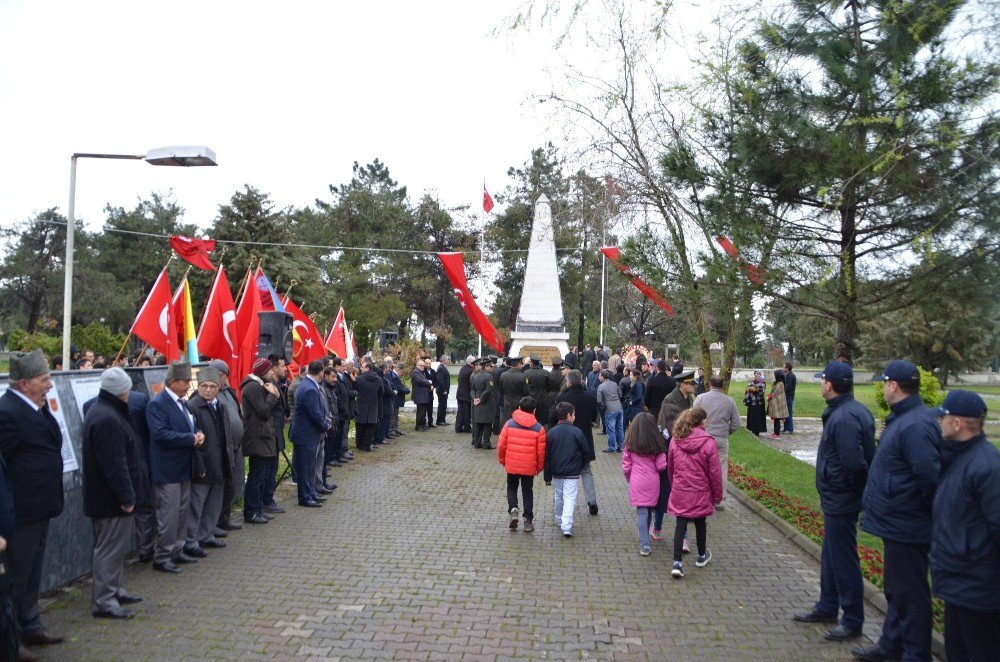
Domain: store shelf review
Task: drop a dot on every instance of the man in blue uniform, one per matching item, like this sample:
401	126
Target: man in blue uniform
965	535
846	448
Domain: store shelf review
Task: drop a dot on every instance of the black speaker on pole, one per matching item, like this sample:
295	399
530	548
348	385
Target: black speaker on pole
275	335
386	338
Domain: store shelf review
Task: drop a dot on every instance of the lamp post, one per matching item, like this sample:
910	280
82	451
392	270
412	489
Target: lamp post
188	155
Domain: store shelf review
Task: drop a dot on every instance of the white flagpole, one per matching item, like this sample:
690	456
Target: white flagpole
482	256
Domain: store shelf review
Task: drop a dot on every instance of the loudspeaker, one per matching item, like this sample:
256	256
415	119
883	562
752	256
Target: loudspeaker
386	338
275	335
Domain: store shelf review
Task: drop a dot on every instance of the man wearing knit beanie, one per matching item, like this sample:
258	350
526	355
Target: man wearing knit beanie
114	481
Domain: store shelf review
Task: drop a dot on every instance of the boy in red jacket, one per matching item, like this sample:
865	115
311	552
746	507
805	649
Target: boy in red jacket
522	453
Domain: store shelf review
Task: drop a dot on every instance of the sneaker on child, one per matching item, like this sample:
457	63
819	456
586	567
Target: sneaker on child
514	514
644	551
678	571
685	548
656	534
703	559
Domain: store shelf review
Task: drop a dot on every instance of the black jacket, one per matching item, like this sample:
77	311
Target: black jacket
965	538
465	383
514	386
586	412
388	396
370	387
330	394
114	473
658	386
31	445
565	452
212	457
570	359
901	482
846	448
442	380
258	432
587	361
343	397
6	503
421	387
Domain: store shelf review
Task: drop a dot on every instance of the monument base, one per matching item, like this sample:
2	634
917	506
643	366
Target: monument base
545	345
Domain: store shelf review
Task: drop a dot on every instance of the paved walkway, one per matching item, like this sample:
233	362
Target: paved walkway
412	559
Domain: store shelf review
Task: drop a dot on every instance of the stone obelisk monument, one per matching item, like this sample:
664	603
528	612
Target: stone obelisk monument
541	327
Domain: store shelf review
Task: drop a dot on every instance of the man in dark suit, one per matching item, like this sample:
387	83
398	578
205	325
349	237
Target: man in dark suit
369	388
586	410
30	445
173	437
308	424
463	417
421	394
442	386
658	386
398	399
571	358
211	465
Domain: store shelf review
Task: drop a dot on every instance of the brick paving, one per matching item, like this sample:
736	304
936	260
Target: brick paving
412	559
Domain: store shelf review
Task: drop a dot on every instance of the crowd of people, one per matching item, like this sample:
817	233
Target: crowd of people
162	475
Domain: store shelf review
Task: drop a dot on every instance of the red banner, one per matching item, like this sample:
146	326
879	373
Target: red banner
487	200
155	322
650	292
754	273
194	251
454	267
336	342
219	336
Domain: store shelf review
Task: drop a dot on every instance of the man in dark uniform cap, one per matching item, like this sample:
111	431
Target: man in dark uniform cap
483	404
555	385
683	395
513	386
537	379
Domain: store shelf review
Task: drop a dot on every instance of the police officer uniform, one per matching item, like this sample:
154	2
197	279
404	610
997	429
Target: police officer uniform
513	387
537	379
484	413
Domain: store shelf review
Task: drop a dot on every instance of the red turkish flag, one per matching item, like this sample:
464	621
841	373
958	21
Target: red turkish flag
194	251
454	267
754	273
310	346
336	342
248	323
487	200
650	292
218	336
155	322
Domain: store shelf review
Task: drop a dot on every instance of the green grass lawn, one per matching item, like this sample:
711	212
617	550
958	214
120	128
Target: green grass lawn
810	404
795	478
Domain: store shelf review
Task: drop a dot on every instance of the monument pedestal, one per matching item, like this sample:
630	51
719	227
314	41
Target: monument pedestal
541	327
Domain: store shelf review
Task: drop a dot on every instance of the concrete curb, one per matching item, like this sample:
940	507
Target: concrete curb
873	594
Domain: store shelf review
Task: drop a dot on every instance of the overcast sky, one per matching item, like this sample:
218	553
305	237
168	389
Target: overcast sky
288	95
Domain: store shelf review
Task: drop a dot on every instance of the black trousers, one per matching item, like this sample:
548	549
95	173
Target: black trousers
527	484
907	628
463	417
365	433
481	434
423	416
701	535
442	407
777	425
840	582
24	556
971	636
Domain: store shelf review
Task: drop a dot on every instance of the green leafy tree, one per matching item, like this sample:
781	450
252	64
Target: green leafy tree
31	274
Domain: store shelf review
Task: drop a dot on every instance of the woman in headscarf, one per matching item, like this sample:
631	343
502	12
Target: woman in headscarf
753	398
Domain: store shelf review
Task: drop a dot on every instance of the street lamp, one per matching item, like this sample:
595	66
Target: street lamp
186	155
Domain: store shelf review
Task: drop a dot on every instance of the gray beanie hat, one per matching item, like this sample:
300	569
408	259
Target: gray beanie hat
220	365
116	381
27	366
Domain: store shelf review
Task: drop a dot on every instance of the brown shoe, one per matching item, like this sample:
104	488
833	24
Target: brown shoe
41	639
24	655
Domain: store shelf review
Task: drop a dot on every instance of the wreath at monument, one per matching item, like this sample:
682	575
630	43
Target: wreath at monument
632	351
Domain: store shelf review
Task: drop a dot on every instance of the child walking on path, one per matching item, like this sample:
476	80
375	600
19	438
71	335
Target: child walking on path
565	450
521	451
695	483
642	462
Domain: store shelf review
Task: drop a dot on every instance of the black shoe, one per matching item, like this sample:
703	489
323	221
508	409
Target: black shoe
220	533
421	428
347	456
323	490
872	654
330	486
310	504
231	526
117	612
275	508
145	558
366	450
841	633
256	519
814	617
215	542
266	515
335	464
196	552
167	566
400	433
129	599
319	499
608	450
593	509
185	558
487	447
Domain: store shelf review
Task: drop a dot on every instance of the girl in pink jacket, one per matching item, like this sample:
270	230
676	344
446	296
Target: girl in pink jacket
642	462
695	483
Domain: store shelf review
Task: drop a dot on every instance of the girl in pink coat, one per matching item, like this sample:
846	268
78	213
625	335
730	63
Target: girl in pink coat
642	462
695	483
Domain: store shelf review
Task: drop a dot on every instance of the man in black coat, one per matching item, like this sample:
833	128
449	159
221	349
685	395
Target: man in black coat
421	394
586	410
31	446
211	465
586	361
571	358
369	387
512	386
344	410
658	386
463	417
279	416
115	480
260	398
442	386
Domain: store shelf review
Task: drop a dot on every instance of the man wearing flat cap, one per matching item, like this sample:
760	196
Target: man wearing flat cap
31	447
211	465
232	488
965	533
846	448
173	436
683	395
114	483
897	508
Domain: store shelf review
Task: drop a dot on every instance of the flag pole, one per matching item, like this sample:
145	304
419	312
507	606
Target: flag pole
129	334
482	257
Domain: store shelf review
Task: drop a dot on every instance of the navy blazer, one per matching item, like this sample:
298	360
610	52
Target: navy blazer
396	381
309	421
171	441
31	445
